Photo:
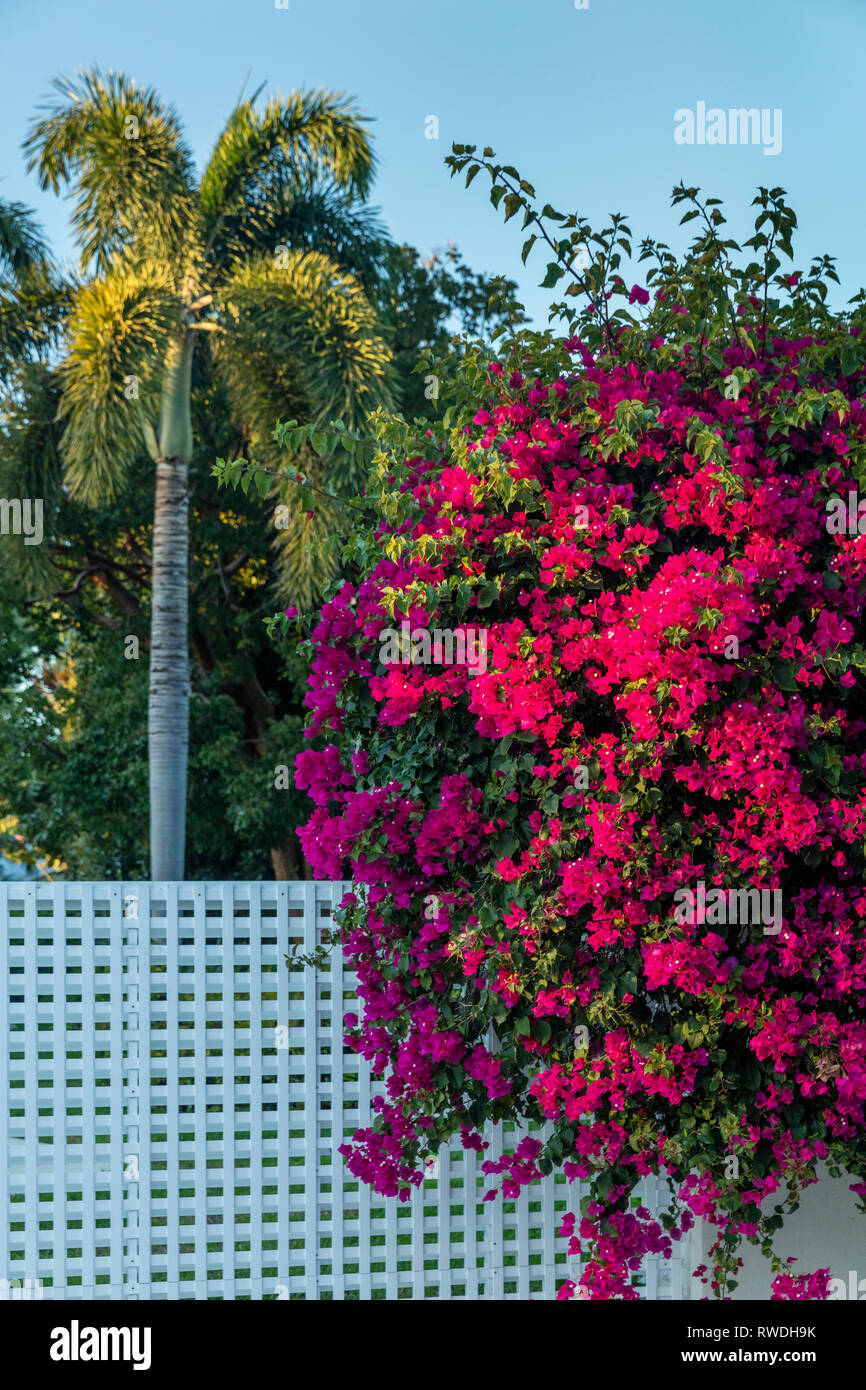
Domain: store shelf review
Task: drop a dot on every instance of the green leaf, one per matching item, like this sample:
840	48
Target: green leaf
513	204
849	360
783	674
603	1183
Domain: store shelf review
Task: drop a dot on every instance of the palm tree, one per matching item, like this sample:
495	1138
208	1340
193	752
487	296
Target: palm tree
30	295
260	263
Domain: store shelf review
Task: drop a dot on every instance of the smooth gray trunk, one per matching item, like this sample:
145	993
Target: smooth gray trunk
168	701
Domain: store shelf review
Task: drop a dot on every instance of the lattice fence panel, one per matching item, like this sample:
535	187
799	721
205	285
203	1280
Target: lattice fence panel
173	1100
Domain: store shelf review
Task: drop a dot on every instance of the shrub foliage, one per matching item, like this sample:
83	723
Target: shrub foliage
611	877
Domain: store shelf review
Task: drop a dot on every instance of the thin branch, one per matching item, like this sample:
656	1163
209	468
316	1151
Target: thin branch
145	559
71	593
234	565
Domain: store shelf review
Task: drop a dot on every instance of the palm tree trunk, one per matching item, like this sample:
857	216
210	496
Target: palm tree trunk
284	858
168	701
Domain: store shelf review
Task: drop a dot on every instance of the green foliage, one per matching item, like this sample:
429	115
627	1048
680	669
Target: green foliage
704	283
22	246
119	333
425	303
73	766
295	140
91	582
123	150
256	259
273	265
31	298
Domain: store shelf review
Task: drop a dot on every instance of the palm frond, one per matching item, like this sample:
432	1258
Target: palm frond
22	245
122	151
307	549
307	215
300	324
119	331
32	308
32	299
302	341
302	136
30	467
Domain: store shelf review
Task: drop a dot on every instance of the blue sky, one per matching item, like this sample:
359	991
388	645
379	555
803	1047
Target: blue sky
581	101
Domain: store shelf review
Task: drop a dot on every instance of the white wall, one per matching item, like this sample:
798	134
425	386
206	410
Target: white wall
826	1231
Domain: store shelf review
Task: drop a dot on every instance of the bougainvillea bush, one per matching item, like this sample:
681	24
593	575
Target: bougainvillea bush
614	880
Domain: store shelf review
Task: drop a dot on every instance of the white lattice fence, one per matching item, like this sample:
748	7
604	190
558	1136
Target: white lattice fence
173	1100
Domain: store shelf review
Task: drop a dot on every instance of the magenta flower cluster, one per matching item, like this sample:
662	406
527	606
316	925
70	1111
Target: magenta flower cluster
672	694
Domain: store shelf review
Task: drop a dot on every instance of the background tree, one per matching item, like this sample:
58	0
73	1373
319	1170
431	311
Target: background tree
176	268
425	302
73	751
